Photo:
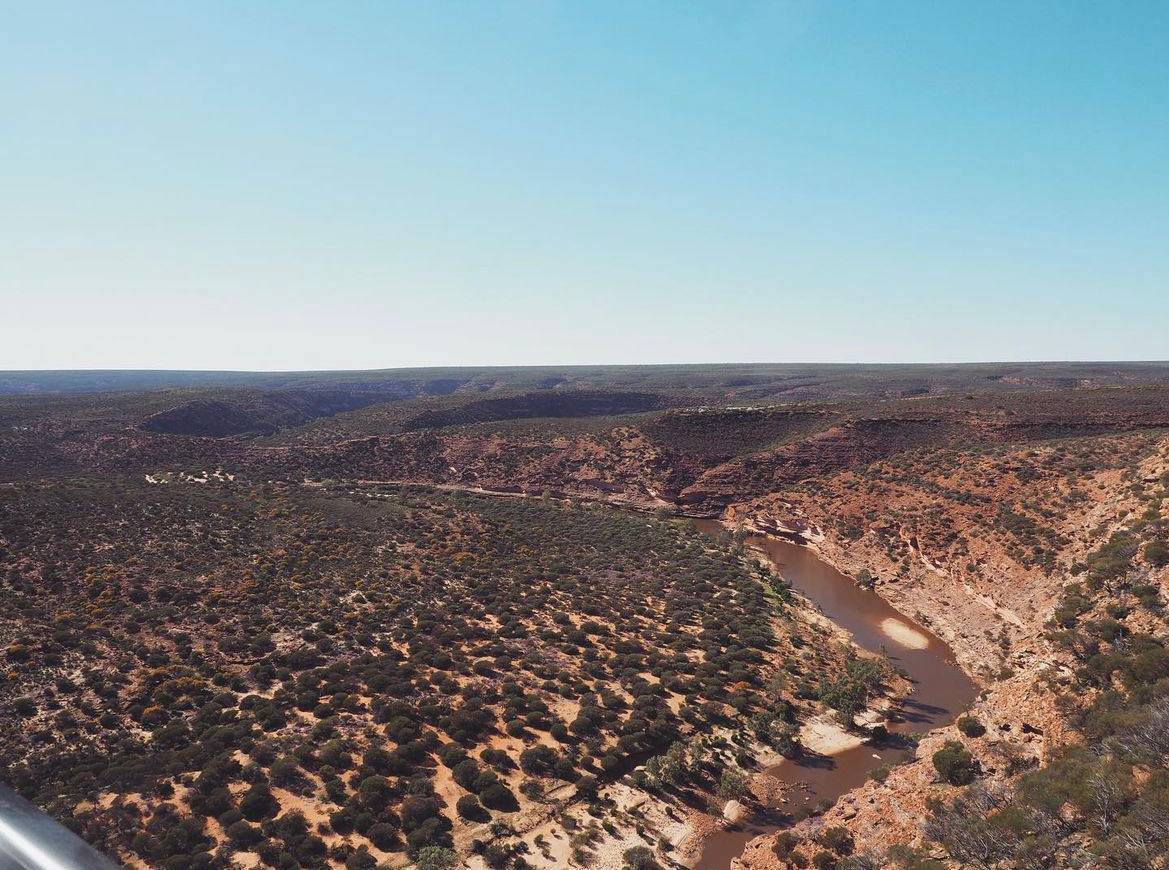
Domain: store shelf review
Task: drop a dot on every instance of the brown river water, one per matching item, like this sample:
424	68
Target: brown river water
942	691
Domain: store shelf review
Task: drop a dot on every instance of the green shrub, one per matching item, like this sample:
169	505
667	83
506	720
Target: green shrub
384	836
258	803
499	797
1157	552
783	845
838	839
435	858
955	764
639	858
468	807
970	726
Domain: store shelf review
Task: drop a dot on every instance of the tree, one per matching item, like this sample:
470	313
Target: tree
972	829
671	767
849	693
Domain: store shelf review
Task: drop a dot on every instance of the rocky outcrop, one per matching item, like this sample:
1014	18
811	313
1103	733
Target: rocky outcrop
849	445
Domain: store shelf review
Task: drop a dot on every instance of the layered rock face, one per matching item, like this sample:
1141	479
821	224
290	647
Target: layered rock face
983	548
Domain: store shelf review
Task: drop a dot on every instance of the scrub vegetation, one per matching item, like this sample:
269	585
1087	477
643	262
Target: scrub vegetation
318	676
368	619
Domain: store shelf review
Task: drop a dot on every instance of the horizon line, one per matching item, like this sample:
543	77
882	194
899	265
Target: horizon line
482	366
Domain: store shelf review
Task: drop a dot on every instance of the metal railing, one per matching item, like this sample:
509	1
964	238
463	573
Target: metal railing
30	840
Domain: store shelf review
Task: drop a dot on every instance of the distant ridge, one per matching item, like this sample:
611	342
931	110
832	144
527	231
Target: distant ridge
439	380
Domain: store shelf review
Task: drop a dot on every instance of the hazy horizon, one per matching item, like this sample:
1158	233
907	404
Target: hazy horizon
298	187
617	365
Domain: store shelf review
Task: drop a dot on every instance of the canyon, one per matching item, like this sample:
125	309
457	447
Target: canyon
1016	524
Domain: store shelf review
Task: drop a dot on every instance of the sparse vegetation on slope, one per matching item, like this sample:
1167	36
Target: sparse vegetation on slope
295	672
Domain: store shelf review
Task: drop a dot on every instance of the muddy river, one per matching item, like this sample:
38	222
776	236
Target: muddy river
941	690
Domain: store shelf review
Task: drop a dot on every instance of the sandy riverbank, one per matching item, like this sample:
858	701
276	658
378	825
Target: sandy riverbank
904	634
823	735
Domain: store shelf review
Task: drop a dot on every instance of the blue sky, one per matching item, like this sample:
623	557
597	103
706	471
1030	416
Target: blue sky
351	185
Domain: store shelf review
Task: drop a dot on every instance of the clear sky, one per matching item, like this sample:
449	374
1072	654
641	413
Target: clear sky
276	185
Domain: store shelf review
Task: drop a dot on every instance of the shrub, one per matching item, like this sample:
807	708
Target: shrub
497	856
435	858
880	774
244	835
432	832
360	860
417	810
497	758
465	773
970	726
258	803
955	764
451	754
732	784
784	844
383	835
639	858
375	792
1157	552
838	839
285	771
342	821
468	807
586	787
499	797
